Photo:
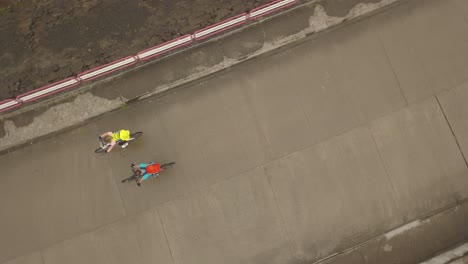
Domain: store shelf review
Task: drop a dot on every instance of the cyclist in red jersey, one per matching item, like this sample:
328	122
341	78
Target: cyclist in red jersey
147	170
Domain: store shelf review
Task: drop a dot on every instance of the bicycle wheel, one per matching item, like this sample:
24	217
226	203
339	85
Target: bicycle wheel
167	165
100	150
135	135
129	179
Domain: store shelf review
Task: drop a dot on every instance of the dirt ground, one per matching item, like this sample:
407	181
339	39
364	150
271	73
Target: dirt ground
42	41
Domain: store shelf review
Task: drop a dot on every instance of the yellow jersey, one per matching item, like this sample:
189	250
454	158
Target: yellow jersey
121	135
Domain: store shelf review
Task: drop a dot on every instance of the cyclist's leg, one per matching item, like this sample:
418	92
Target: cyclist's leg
146	176
143	166
123	143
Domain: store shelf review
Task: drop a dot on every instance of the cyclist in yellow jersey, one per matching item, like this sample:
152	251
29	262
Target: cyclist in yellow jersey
119	137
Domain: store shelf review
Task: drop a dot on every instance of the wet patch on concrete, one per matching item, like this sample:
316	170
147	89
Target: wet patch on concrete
297	21
171	69
244	43
340	8
108	89
25	128
28	116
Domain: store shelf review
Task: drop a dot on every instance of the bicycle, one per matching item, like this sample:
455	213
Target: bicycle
103	146
136	177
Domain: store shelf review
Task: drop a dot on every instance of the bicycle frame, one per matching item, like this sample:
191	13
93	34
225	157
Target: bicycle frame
103	145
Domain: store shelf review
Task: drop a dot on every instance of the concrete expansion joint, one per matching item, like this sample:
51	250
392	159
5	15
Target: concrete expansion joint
457	141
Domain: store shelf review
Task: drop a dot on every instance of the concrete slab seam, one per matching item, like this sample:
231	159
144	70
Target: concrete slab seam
165	235
451	130
392	67
395	196
289	236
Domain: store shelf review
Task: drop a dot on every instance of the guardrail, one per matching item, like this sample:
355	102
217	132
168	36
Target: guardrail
9	104
270	8
165	47
107	68
145	55
220	27
48	90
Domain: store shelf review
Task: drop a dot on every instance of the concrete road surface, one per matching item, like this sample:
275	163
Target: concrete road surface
288	158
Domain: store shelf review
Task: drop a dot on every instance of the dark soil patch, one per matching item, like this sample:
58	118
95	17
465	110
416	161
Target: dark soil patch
45	41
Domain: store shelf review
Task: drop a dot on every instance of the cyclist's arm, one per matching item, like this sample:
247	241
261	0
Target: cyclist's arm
106	134
112	145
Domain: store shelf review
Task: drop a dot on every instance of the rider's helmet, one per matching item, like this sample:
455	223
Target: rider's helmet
137	173
107	139
153	168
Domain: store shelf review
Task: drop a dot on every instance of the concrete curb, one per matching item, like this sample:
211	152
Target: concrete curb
400	244
451	256
71	109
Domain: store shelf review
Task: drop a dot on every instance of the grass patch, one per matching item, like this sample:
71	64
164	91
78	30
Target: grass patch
9	5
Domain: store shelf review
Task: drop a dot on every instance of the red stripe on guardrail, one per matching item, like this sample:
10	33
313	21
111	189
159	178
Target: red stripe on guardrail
220	27
9	104
270	8
48	90
164	47
147	54
107	68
